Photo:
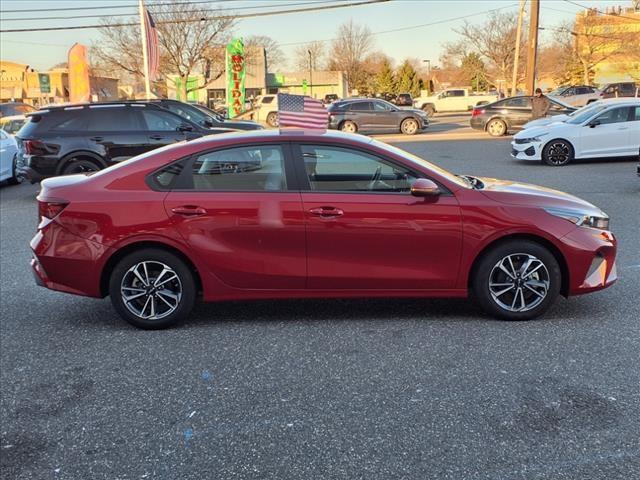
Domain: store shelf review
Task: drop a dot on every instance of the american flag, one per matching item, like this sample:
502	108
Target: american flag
301	111
153	55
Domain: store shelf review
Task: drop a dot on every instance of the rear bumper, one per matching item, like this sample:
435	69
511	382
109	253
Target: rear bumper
67	263
38	168
477	123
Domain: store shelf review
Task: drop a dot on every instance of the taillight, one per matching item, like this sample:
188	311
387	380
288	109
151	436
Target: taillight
51	209
476	112
32	147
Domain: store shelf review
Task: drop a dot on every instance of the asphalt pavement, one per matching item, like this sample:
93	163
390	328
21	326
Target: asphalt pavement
329	389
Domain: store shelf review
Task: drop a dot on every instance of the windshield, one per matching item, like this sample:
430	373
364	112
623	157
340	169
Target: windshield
422	162
557	91
586	114
562	104
591	106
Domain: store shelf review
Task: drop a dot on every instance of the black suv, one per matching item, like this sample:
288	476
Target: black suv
203	116
85	138
375	114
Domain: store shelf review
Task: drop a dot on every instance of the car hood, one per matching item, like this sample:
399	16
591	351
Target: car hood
525	194
533	131
541	122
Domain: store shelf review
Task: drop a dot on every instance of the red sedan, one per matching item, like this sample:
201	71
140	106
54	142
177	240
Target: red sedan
301	214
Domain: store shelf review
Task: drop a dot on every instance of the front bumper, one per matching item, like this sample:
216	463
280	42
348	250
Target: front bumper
526	151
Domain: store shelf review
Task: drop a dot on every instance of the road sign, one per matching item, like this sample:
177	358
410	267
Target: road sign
45	82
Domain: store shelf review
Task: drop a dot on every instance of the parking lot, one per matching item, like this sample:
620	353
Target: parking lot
320	389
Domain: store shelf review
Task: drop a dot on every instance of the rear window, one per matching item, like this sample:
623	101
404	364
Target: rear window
10	109
29	129
111	119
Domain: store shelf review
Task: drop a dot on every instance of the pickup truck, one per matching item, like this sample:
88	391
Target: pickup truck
452	100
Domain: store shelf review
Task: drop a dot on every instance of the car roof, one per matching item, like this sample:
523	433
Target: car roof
284	135
80	106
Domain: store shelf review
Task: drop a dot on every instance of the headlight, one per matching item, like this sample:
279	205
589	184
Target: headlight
532	139
581	219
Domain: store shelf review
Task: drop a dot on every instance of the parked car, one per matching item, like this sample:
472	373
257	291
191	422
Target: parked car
89	137
12	109
511	114
452	100
609	130
9	168
266	110
622	89
541	122
576	95
325	215
370	114
404	100
203	116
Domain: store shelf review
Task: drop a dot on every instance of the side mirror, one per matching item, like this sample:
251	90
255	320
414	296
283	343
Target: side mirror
423	187
207	123
594	124
184	127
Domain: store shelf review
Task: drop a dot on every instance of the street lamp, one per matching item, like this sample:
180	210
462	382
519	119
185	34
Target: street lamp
310	74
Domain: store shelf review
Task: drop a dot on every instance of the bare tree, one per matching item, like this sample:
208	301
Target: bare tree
275	56
494	41
188	44
352	44
301	56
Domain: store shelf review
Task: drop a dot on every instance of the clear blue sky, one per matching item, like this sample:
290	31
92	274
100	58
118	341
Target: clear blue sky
41	50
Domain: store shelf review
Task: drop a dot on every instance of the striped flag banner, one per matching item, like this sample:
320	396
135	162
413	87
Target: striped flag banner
302	112
153	56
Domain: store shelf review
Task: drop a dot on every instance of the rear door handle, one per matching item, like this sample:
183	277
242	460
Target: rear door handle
96	139
189	211
156	137
326	212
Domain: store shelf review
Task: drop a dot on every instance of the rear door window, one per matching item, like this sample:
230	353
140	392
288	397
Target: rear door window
361	107
518	102
111	119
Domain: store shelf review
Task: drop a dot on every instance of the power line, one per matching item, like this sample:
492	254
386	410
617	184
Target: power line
111	7
412	27
221	17
67	17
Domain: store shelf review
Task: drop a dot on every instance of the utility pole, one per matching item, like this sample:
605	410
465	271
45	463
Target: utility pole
310	74
516	57
532	51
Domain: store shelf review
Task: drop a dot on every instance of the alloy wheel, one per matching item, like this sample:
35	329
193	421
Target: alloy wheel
519	282
496	128
558	153
349	127
151	290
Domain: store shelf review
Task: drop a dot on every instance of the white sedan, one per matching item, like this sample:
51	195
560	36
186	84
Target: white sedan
541	122
9	159
611	129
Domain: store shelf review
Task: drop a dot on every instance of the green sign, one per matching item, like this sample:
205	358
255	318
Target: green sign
305	84
192	89
45	82
236	70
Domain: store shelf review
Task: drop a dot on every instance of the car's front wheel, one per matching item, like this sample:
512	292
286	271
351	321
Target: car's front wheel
409	126
557	153
517	280
152	288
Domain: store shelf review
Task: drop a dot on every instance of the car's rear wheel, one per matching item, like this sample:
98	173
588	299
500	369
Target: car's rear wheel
557	153
152	288
79	165
272	119
349	127
496	128
517	280
429	110
16	176
409	126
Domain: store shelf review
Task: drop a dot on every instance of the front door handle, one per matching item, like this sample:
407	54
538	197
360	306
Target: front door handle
156	137
623	128
326	212
189	211
96	139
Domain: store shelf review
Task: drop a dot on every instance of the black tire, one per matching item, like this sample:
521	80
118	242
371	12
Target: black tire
409	126
80	165
496	127
545	279
155	260
16	177
557	153
429	110
272	119
349	127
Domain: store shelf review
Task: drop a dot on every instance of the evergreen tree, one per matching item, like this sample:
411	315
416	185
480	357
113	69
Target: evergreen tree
407	80
385	79
474	71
